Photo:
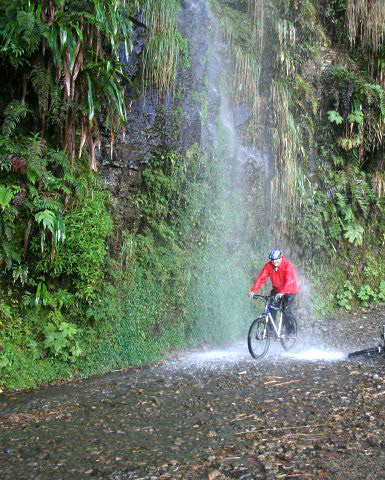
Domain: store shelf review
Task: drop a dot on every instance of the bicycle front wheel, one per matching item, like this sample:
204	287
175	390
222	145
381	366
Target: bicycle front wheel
288	340
367	352
258	339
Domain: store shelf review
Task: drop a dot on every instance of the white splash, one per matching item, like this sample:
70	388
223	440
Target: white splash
232	354
317	354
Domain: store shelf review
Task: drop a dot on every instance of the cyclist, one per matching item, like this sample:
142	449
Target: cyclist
284	281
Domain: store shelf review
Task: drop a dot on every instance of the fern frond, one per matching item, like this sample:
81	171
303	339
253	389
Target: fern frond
14	112
306	90
56	92
41	81
30	31
48	203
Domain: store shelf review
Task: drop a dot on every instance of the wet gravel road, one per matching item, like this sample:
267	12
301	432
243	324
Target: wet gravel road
211	415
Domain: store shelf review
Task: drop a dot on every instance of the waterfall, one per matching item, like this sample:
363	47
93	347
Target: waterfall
223	311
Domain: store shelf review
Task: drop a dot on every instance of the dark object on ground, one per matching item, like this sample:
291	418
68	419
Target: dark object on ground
378	350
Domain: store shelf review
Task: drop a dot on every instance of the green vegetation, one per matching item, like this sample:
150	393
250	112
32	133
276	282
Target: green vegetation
324	126
43	41
246	44
330	169
61	313
73	301
164	45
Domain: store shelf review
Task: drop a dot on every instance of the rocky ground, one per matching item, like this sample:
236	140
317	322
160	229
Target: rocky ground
212	415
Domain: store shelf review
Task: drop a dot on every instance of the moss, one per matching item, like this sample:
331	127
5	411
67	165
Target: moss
202	99
26	371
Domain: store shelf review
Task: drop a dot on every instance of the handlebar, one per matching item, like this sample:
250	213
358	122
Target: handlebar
267	298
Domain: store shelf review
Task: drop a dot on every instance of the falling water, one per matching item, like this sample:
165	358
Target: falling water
237	242
224	280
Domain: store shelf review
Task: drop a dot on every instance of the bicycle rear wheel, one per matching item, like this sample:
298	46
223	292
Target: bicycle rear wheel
368	352
289	340
258	339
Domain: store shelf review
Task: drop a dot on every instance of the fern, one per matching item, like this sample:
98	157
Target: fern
30	33
344	208
56	92
334	228
22	34
13	113
41	81
15	51
47	203
48	92
6	195
306	90
362	193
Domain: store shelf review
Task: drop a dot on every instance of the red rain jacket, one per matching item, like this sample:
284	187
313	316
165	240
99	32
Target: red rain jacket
284	280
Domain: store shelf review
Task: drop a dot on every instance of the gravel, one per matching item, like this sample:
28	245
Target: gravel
212	414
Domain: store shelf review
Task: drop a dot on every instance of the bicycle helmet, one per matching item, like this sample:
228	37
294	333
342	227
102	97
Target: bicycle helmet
275	254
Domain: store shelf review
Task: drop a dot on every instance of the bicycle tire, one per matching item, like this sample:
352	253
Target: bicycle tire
367	351
258	339
288	341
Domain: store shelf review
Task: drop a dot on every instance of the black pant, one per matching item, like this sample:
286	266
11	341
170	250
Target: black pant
287	303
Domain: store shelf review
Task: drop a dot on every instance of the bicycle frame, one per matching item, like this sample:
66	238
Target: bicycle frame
269	317
260	332
277	328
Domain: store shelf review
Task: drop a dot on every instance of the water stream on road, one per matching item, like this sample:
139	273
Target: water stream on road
238	353
190	416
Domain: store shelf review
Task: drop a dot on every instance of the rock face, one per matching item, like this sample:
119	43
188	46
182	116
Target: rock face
153	124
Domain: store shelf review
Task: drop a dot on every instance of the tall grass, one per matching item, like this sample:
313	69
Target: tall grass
162	50
246	44
256	10
365	20
287	148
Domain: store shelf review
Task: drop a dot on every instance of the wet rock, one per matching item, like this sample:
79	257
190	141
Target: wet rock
242	114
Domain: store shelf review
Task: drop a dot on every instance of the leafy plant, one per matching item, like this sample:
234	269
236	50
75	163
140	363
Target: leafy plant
356	116
13	113
354	232
335	117
345	296
366	295
82	256
37	182
5	311
53	222
6	195
41	293
43	41
60	340
5	360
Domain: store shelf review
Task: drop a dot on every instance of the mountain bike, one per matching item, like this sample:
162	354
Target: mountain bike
266	327
371	351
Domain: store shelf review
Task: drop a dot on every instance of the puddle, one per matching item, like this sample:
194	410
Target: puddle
317	354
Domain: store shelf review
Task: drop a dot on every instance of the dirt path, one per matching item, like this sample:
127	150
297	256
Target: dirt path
215	415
